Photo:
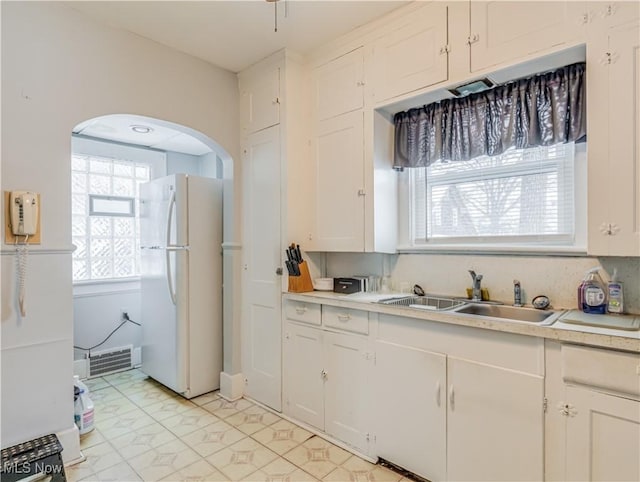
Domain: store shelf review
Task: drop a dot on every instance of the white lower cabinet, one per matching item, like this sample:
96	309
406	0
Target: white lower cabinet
326	379
601	407
494	423
409	398
303	368
603	436
458	403
346	381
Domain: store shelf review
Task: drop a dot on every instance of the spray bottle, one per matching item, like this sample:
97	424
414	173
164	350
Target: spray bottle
616	298
592	293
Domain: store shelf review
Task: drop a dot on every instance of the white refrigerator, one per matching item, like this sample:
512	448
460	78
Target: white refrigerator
181	282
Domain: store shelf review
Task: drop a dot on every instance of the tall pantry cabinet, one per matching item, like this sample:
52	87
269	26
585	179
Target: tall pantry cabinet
275	206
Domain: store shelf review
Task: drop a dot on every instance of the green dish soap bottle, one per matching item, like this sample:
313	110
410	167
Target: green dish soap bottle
592	293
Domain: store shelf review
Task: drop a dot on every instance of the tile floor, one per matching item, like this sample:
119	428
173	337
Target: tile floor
146	432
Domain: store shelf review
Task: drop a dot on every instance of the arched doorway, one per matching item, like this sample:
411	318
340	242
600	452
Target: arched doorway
111	156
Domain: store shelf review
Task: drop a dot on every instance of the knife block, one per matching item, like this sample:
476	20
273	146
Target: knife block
302	283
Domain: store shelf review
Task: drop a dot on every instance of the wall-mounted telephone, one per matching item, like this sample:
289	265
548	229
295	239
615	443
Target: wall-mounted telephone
24	209
24	213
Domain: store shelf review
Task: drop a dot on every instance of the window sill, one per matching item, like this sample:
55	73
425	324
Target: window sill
512	250
106	287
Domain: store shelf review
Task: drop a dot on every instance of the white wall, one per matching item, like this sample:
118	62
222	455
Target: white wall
206	165
179	163
555	276
97	310
58	69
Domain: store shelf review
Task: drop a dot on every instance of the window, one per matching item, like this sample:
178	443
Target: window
519	197
105	224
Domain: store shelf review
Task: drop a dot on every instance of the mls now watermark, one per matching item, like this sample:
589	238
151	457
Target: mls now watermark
28	468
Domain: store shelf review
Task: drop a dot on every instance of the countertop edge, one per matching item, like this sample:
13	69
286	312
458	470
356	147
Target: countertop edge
521	328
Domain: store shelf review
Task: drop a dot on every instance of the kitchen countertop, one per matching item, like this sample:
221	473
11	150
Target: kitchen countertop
582	334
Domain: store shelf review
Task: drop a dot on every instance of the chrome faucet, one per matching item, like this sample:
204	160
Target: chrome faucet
517	293
476	294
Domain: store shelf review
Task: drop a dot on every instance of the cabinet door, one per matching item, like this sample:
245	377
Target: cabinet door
410	403
263	314
504	31
624	141
494	423
414	55
260	101
339	157
303	373
338	86
346	382
603	437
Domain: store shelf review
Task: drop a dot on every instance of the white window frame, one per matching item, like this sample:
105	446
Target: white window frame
547	245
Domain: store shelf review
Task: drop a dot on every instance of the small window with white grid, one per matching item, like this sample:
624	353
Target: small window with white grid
105	223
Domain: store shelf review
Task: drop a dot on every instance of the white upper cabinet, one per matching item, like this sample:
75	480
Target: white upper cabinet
614	143
413	55
338	86
509	31
260	101
339	178
624	140
338	154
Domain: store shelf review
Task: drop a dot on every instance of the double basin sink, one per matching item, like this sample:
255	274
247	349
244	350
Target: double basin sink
466	307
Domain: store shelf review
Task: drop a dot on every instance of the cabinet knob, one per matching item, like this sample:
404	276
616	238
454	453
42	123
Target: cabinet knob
323	374
609	229
279	271
360	83
473	38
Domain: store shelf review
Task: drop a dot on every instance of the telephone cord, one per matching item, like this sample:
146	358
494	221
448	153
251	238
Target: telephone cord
22	255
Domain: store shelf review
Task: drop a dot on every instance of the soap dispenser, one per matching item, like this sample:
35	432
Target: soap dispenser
592	293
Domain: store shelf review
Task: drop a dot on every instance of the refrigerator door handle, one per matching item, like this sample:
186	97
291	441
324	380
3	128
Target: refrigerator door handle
172	292
172	205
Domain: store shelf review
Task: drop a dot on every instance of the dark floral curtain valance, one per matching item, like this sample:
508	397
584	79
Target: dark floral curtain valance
542	110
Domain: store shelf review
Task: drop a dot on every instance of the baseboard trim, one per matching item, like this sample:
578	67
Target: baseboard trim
231	386
70	441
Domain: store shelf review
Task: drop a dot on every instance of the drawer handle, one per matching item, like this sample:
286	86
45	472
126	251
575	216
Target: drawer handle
344	317
301	310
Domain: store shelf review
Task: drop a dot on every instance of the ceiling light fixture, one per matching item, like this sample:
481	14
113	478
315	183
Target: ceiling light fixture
138	129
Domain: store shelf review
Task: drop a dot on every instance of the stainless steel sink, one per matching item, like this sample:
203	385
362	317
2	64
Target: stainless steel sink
428	302
509	313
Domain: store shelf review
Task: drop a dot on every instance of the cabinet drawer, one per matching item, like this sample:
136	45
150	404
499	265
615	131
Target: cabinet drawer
606	369
356	321
302	311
